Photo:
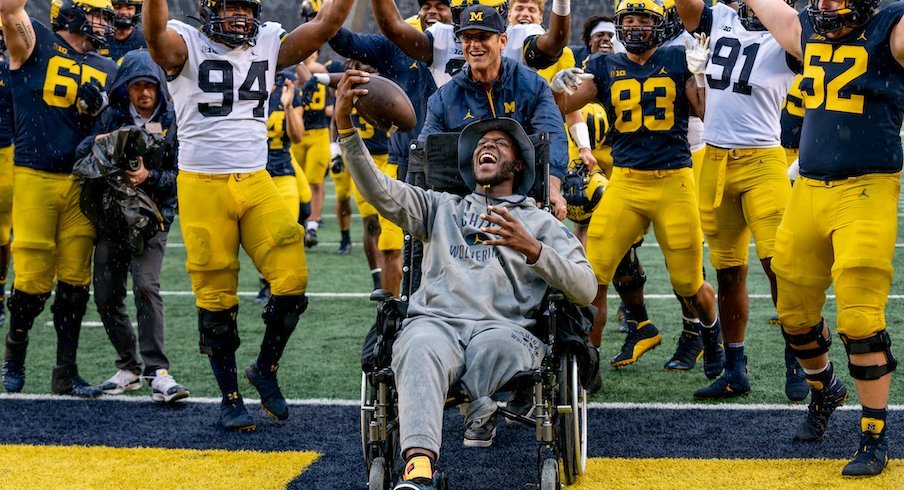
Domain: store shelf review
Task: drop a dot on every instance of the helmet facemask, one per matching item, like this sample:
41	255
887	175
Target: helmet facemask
639	39
243	30
121	22
853	14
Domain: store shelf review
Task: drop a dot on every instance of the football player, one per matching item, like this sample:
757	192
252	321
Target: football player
127	34
58	89
650	93
743	183
6	172
792	120
220	74
841	221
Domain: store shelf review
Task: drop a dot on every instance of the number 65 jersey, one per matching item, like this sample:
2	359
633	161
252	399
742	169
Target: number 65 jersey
747	78
220	96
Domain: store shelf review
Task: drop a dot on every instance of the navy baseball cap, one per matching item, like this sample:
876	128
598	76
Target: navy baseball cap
481	18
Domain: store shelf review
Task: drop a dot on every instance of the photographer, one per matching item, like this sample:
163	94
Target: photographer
138	98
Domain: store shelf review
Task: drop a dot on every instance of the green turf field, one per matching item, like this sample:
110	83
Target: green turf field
321	360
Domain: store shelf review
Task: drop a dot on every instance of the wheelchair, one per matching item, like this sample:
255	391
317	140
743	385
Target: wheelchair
559	413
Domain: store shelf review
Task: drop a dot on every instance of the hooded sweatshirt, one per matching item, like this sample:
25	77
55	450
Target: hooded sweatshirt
463	277
161	182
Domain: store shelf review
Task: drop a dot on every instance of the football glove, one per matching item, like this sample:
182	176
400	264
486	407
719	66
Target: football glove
794	170
337	166
92	98
569	80
307	91
697	56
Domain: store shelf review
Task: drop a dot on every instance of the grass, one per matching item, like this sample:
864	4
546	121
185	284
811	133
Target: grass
322	357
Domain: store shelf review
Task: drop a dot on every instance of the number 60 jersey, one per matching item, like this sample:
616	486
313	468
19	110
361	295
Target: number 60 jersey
220	96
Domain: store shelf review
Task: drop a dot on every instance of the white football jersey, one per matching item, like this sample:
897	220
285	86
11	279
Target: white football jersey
220	97
747	79
694	124
448	58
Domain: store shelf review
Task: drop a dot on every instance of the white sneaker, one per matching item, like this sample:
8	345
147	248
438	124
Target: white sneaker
165	389
121	382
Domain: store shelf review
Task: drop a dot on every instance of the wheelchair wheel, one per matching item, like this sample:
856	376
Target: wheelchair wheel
571	403
549	475
379	478
379	453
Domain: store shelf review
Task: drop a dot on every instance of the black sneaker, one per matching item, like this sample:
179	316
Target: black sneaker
713	351
13	376
796	387
871	458
621	317
272	400
482	435
641	339
438	482
688	352
263	296
521	403
310	238
79	388
345	248
233	416
822	403
732	383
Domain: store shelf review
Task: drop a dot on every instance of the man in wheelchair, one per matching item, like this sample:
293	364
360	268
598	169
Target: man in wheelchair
489	258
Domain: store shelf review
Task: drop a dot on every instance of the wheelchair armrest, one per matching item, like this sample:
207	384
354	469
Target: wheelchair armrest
380	295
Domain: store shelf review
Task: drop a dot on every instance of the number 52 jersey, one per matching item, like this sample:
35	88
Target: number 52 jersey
220	96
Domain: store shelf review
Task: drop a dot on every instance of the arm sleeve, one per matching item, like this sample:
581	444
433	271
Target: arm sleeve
548	119
407	206
564	265
535	58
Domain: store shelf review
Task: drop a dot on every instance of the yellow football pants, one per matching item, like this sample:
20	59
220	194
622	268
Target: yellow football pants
304	189
287	187
6	194
53	238
840	232
742	191
391	236
791	154
220	211
633	200
313	154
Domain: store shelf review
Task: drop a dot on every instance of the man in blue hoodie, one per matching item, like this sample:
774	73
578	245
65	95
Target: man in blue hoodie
138	98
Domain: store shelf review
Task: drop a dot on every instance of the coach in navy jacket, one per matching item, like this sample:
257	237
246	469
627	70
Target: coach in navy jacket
491	86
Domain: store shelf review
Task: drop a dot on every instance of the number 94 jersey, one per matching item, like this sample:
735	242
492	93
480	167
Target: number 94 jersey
220	96
747	78
853	95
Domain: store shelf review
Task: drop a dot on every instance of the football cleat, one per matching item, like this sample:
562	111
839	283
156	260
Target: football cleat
621	317
310	238
688	352
796	387
13	376
345	248
233	416
481	435
871	458
121	382
732	383
822	403
641	338
165	389
713	351
79	388
272	400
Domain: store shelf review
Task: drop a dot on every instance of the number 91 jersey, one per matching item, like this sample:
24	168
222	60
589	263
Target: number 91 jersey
747	78
220	96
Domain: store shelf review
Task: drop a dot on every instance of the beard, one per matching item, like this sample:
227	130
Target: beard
508	169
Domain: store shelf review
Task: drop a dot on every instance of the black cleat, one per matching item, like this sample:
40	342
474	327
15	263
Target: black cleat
822	403
713	351
640	339
345	248
79	388
13	376
688	352
871	458
310	238
233	416
796	387
272	400
732	383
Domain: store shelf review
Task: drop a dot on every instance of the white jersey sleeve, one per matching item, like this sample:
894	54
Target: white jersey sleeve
747	79
448	58
220	97
517	35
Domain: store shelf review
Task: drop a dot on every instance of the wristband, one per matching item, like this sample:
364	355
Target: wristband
580	134
700	80
562	8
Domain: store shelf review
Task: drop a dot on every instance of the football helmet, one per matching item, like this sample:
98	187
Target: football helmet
853	14
639	39
673	23
214	20
459	6
309	9
582	190
749	20
127	22
73	16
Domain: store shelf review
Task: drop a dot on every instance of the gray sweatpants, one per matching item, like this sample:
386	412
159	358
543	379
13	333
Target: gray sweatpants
430	355
112	265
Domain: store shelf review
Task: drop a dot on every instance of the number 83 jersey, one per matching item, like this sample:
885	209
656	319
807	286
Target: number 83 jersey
220	97
747	78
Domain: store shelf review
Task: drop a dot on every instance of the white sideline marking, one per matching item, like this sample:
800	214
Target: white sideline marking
759	407
88	324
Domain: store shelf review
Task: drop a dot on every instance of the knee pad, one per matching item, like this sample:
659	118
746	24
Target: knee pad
812	335
282	312
25	306
628	274
219	331
878	342
71	302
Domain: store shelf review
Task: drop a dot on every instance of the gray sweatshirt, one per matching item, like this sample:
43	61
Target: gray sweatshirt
463	277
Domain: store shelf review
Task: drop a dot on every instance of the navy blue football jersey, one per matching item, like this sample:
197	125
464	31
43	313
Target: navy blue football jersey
853	92
647	107
376	141
6	107
315	112
45	88
792	116
279	159
117	49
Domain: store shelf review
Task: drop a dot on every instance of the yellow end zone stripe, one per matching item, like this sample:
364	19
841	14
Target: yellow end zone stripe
753	474
60	467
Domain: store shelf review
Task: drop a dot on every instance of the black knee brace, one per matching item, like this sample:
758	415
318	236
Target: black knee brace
629	275
304	212
23	309
70	303
813	335
878	342
219	331
282	312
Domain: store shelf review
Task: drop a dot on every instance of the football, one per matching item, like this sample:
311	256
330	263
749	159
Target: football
386	106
